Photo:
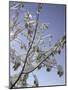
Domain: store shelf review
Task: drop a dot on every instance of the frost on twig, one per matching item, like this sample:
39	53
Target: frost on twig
33	43
36	83
21	83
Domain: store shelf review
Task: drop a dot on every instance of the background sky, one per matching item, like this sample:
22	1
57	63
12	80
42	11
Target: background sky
55	16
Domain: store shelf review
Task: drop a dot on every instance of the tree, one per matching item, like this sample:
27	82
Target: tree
31	42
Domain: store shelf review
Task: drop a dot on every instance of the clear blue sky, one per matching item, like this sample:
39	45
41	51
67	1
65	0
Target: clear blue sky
55	16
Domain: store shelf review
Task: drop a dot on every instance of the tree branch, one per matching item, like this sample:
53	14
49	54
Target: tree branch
52	51
27	53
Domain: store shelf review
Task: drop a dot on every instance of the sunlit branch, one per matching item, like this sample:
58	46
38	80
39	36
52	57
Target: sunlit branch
28	49
51	52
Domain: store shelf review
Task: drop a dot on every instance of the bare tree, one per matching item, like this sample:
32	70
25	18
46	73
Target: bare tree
33	53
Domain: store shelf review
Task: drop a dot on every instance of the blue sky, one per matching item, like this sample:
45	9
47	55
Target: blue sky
54	15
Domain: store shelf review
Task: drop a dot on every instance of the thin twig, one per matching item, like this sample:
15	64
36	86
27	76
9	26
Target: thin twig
52	51
27	53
